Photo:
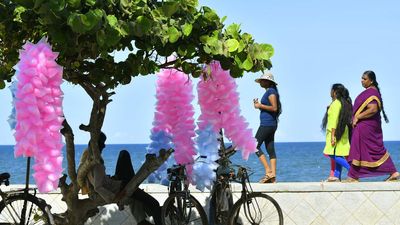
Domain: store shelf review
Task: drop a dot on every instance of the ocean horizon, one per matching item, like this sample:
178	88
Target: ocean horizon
296	161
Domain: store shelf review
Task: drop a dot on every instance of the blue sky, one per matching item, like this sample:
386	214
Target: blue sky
317	43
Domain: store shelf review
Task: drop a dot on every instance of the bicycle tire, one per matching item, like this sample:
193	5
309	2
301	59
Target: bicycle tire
219	212
176	211
262	209
11	209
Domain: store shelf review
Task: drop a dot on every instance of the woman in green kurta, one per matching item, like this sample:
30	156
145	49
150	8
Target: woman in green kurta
336	123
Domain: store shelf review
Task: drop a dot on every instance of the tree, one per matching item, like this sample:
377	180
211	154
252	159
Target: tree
85	32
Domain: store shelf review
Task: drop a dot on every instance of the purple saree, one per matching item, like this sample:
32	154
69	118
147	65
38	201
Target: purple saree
368	156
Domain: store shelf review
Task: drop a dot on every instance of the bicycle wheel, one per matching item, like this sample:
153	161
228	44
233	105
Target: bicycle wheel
11	210
220	205
257	209
180	210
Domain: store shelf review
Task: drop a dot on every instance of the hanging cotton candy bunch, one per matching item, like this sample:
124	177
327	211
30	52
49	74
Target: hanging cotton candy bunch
39	113
174	113
219	103
12	121
203	169
160	139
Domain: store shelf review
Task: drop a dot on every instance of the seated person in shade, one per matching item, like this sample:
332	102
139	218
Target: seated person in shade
108	187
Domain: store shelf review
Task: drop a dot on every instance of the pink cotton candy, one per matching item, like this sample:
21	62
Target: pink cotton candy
219	104
174	113
39	112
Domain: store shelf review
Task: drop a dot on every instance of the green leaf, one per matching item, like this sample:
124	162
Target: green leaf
238	61
93	18
233	30
74	22
142	26
268	51
173	34
207	49
210	15
187	29
242	45
38	3
112	21
82	23
247	38
56	5
197	73
248	63
223	19
2	84
101	38
232	45
170	8
18	11
112	37
26	3
124	29
74	3
90	3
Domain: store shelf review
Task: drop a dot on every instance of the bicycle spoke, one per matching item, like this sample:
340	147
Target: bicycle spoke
257	209
183	211
13	212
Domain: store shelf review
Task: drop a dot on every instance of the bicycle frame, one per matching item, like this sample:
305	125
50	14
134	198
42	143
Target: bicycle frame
27	192
177	177
244	180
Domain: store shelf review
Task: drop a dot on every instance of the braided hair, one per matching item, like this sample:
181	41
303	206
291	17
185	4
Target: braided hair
371	75
279	111
342	94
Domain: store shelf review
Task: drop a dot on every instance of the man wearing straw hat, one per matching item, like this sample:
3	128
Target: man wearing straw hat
270	109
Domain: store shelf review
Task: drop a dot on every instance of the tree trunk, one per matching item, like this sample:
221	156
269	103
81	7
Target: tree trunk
79	210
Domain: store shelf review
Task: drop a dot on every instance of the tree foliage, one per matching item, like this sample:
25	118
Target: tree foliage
86	33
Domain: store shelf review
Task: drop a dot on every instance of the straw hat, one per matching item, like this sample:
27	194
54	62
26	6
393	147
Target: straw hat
266	76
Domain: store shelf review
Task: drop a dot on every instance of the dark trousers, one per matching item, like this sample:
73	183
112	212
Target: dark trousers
266	134
124	172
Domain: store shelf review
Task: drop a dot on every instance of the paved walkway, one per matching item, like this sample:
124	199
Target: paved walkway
302	203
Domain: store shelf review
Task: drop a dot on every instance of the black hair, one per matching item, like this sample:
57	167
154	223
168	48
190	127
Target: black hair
102	141
278	99
345	115
371	75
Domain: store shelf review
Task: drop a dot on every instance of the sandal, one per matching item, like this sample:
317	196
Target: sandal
332	179
350	180
267	179
264	179
393	178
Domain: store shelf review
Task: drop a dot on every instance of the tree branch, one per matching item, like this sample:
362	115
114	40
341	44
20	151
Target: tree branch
169	63
151	164
70	146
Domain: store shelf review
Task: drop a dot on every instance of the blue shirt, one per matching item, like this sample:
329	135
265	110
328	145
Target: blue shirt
268	118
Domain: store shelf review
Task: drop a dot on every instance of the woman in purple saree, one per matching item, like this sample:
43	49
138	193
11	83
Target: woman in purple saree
368	156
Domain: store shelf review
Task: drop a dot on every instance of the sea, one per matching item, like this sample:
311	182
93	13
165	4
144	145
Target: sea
296	161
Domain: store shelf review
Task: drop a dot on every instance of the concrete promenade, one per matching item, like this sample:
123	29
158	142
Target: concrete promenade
316	203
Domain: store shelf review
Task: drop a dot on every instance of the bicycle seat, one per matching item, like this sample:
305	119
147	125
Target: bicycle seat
176	169
4	177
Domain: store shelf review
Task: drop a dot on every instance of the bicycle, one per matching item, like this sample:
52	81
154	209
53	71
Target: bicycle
22	206
251	208
181	208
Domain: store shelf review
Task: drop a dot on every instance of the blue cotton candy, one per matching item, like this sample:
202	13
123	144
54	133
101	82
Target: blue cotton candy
207	145
159	140
12	118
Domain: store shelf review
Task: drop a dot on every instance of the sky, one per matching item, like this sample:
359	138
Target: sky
317	43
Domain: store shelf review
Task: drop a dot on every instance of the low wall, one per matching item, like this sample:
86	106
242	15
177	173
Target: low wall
301	203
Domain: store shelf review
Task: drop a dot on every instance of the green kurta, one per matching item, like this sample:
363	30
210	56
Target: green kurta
343	145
